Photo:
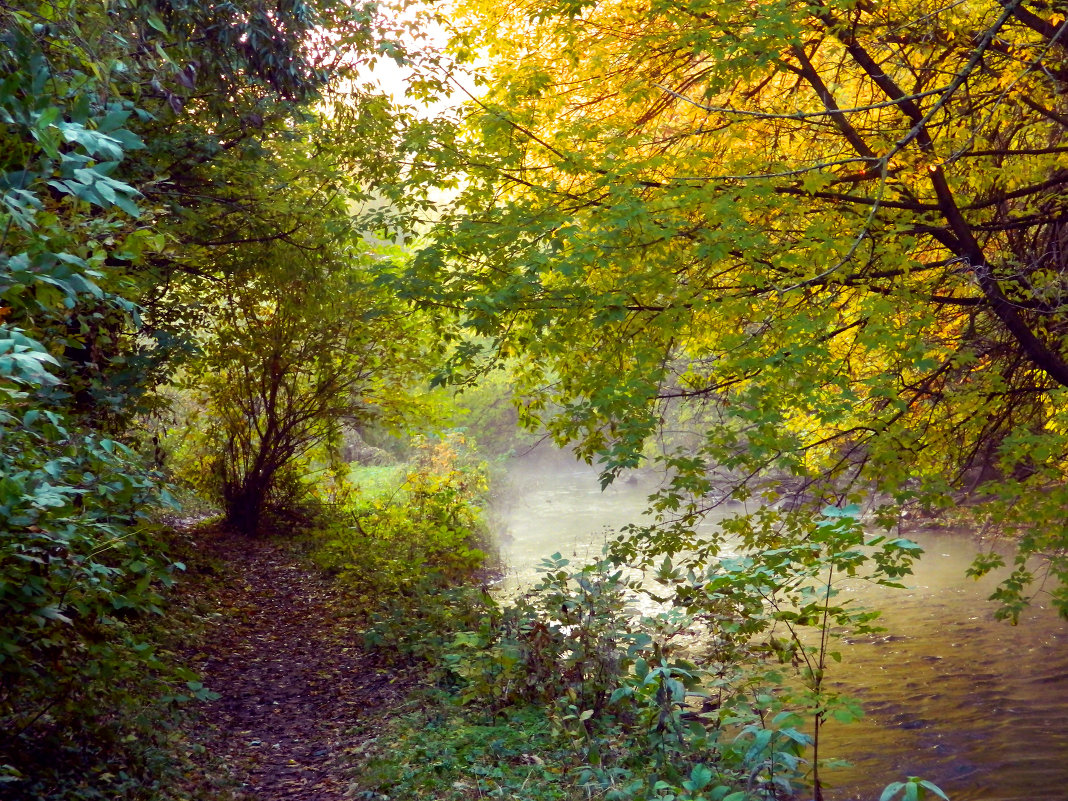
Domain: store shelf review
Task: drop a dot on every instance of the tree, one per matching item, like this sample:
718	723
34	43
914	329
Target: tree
833	232
308	345
116	120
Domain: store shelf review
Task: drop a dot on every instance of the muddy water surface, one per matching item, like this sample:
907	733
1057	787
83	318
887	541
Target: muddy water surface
975	705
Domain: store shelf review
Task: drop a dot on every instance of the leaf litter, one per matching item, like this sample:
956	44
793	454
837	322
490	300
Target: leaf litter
298	693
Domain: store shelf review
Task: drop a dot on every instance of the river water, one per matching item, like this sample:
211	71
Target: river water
975	705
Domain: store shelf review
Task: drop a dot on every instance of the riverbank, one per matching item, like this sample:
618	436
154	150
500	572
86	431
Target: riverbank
366	660
951	693
300	707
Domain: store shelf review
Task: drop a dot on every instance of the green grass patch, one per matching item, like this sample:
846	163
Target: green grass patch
376	481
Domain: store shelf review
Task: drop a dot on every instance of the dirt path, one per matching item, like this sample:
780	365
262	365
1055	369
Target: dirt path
297	692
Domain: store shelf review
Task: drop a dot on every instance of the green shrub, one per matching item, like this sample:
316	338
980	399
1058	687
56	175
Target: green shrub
696	682
574	667
425	533
79	575
447	754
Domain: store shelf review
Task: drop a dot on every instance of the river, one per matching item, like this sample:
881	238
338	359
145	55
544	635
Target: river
975	705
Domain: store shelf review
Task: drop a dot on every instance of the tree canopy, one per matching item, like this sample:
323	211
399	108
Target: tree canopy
829	235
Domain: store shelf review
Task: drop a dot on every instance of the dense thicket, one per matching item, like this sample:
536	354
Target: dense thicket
144	175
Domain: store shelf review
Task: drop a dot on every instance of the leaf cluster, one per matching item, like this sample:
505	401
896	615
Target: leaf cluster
81	572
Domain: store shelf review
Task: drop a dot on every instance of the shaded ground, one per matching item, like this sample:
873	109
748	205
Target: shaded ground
297	692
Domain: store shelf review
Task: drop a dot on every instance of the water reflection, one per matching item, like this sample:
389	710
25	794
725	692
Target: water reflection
975	705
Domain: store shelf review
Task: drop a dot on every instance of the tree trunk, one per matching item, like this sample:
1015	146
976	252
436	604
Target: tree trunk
244	507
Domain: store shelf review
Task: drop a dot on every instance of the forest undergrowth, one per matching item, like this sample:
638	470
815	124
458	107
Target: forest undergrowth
363	656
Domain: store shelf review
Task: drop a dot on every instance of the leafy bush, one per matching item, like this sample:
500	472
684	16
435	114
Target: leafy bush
428	528
79	573
697	682
409	548
575	668
448	754
701	680
577	646
570	637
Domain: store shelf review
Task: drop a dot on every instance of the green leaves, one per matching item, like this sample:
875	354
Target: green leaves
700	778
69	563
715	249
95	186
915	789
23	361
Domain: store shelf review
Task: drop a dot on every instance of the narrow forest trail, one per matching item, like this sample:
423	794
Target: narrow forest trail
297	692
